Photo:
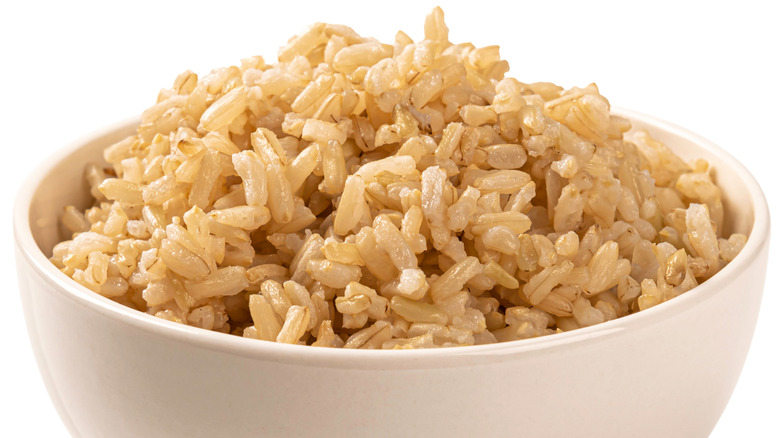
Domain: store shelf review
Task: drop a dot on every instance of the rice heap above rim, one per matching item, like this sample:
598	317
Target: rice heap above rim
365	195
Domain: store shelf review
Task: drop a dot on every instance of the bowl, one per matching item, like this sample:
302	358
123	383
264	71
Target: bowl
112	371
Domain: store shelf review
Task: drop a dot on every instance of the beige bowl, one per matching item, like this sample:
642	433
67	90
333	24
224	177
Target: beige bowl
111	371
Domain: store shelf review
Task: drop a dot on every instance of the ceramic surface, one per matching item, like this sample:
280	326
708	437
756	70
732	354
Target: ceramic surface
111	371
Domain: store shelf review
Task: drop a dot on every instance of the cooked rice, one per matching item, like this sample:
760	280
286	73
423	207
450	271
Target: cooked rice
408	195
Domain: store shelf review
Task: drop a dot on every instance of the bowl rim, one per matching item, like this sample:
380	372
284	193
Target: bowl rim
382	359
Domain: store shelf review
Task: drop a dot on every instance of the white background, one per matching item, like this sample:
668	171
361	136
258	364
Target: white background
67	68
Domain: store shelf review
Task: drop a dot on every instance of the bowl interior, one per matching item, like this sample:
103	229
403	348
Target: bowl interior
731	177
61	183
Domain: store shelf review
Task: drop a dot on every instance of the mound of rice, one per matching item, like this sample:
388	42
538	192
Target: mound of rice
365	195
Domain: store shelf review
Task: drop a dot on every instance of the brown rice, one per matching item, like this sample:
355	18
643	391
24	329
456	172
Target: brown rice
358	194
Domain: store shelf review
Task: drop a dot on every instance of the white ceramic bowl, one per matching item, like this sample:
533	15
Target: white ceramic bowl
111	371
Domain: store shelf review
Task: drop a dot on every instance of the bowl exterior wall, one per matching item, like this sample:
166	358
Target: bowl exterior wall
670	377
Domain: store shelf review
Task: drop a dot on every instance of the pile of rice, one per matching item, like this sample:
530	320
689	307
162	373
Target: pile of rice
365	195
